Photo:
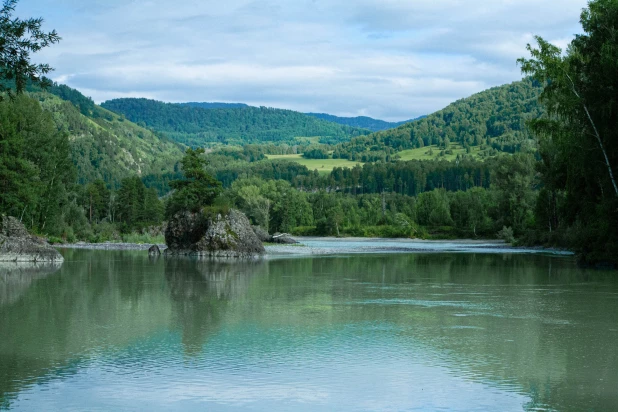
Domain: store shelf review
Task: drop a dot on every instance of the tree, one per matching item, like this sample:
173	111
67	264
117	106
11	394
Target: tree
513	178
197	190
35	164
578	136
18	39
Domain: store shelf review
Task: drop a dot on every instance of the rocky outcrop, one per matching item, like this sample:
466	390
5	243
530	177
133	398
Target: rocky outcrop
216	235
283	239
154	251
17	245
262	234
280	238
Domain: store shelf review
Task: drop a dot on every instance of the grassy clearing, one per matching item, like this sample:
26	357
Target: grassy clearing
321	165
433	152
424	153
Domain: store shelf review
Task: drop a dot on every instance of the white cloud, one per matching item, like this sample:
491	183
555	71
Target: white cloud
391	59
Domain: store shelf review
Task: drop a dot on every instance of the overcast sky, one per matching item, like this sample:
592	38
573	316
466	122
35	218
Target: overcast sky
388	59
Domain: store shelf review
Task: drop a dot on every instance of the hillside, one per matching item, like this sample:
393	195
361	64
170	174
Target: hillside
105	145
198	127
214	105
494	119
362	122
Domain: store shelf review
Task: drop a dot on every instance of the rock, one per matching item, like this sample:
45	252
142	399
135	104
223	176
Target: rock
222	235
262	234
17	245
283	239
154	251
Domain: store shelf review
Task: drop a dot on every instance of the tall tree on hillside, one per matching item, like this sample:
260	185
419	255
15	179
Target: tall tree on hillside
197	190
579	136
18	40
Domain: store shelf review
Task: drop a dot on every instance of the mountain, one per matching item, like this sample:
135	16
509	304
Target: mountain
214	105
105	145
196	126
494	118
362	122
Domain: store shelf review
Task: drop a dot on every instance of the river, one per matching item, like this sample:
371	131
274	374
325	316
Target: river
340	332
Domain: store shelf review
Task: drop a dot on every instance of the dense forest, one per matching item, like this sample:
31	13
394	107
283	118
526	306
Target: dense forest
195	126
214	105
495	118
362	122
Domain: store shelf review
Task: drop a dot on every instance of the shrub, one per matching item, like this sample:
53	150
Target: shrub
506	234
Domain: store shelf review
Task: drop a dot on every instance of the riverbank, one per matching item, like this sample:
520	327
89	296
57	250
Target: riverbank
109	246
332	246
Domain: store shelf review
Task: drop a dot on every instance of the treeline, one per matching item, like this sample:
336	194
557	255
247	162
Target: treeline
196	126
495	118
409	178
505	207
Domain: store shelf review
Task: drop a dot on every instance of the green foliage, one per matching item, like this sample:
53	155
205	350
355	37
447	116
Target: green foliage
197	127
434	209
35	167
506	234
273	205
18	39
104	147
361	122
198	188
98	199
136	206
496	117
514	179
316	152
578	136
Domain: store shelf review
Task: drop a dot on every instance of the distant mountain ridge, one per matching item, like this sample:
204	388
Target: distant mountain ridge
214	105
363	122
197	126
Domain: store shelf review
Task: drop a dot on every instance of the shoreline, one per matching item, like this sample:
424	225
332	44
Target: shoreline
109	246
332	245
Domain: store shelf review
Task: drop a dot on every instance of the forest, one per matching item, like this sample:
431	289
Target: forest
362	122
73	170
198	126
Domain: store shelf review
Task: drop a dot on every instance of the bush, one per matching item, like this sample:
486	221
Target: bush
506	234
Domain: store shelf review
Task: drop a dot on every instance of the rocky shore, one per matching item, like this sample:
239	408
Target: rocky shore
17	245
109	246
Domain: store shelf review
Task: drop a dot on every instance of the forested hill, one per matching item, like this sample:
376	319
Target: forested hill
198	127
493	118
362	122
105	145
214	105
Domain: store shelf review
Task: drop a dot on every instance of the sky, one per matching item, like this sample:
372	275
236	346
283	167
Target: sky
387	59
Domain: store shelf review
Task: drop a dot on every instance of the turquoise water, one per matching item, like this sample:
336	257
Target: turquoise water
375	332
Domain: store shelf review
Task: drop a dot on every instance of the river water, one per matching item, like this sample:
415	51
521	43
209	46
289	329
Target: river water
355	332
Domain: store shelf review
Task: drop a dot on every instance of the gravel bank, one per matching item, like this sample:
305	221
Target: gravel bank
109	246
334	246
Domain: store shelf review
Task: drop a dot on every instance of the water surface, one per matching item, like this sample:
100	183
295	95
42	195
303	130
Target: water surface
439	331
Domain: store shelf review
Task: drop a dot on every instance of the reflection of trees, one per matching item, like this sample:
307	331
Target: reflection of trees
97	300
16	278
201	290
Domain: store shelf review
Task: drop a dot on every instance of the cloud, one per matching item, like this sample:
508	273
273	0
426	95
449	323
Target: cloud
391	59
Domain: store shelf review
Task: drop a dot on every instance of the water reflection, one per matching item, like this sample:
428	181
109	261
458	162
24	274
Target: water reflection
200	290
369	332
17	277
